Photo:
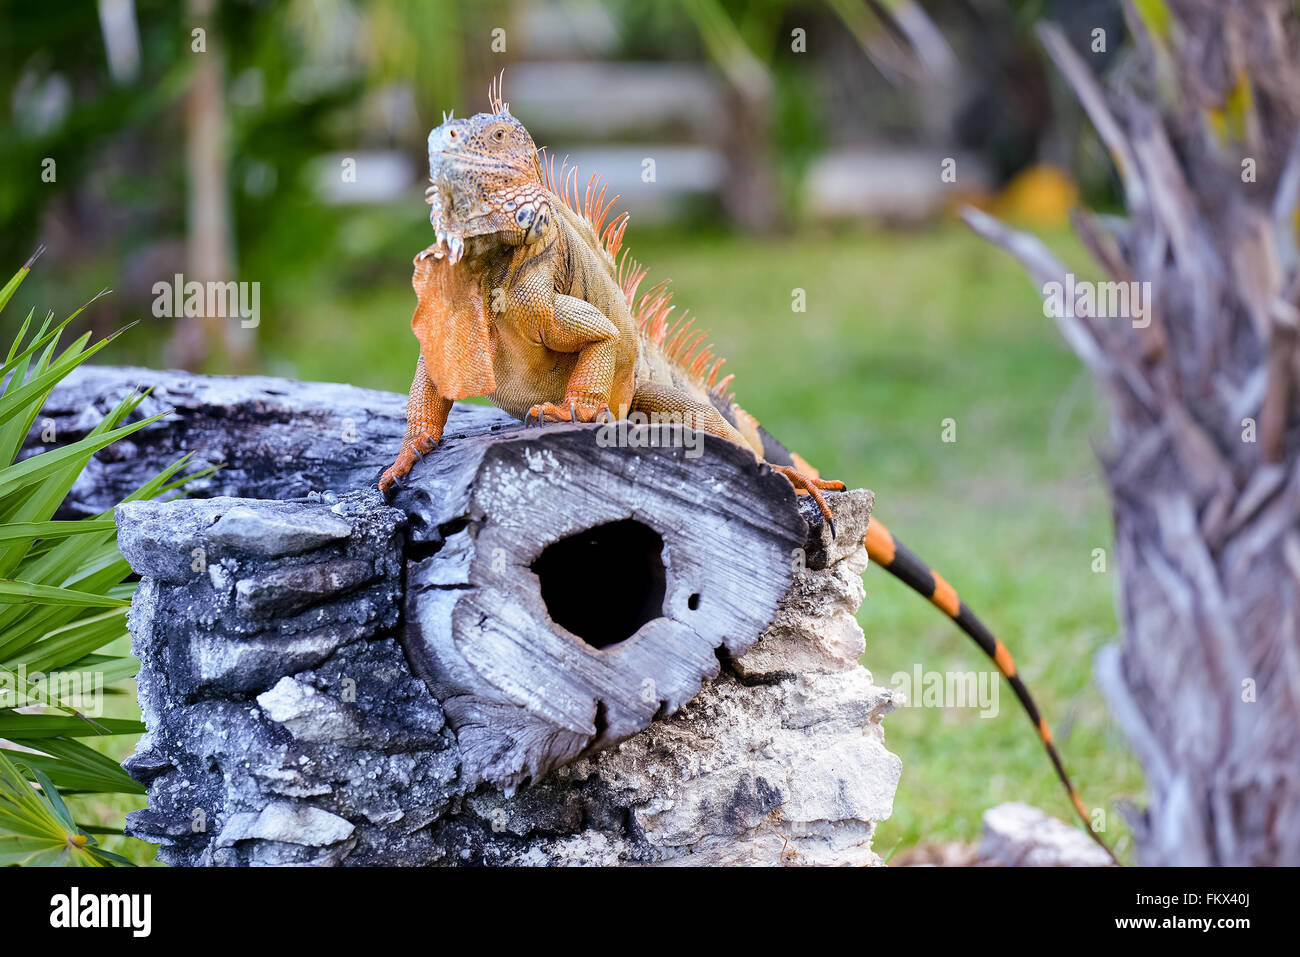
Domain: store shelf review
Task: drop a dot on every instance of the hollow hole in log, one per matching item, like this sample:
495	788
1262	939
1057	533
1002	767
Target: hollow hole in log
693	603
585	594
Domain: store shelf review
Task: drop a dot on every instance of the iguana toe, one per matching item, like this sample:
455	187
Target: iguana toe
393	477
413	450
813	487
571	411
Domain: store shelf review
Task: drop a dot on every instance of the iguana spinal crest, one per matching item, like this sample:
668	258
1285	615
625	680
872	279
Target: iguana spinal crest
523	298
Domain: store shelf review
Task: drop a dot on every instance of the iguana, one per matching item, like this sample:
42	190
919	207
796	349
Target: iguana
524	298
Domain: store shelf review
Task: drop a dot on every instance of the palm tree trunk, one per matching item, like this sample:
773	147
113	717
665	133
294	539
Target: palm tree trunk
1204	419
210	241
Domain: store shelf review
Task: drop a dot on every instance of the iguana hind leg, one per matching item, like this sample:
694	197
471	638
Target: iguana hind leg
675	405
577	326
669	404
426	416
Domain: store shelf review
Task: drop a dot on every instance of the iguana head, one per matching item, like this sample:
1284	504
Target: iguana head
486	181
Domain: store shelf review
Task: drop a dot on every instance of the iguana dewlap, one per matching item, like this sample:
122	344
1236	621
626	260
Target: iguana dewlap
521	299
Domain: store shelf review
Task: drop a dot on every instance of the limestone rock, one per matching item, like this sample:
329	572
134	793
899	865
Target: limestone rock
1020	835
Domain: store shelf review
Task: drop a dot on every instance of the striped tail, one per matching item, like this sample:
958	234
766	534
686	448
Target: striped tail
900	562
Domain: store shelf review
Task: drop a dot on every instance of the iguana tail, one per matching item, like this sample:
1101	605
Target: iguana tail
887	552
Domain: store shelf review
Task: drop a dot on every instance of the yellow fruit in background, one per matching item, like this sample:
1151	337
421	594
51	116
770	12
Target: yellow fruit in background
1038	196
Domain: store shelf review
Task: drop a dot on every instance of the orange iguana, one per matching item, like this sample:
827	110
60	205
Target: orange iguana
522	298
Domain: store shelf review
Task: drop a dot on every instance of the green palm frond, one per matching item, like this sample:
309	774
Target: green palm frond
64	591
36	827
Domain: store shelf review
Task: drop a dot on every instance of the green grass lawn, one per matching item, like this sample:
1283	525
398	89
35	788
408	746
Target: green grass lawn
902	331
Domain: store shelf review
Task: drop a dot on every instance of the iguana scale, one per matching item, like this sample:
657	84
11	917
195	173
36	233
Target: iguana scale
523	298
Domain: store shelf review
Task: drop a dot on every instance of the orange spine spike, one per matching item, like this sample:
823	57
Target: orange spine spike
689	345
701	360
604	213
632	281
621	230
599	209
663	327
713	373
616	239
659	319
649	313
680	330
548	170
657	289
654	326
663	310
668	329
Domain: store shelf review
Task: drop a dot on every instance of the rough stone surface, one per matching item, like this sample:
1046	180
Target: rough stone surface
273	438
1020	835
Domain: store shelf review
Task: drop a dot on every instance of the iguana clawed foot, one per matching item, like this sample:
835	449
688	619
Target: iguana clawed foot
568	410
412	451
813	487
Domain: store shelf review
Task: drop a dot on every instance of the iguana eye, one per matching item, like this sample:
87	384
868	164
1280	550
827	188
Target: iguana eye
499	134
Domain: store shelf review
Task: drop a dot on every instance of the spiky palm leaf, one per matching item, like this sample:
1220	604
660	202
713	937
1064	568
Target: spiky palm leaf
63	601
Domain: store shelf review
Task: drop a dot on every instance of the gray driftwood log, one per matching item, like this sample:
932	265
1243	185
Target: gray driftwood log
542	651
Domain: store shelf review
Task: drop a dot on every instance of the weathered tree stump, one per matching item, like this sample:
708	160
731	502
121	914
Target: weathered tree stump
552	553
503	665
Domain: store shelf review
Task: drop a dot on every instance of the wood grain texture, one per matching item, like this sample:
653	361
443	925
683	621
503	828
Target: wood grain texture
525	695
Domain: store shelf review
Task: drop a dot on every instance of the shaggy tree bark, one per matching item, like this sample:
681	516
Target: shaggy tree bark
1202	457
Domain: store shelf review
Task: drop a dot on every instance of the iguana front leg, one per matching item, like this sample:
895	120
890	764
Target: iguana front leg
426	416
575	325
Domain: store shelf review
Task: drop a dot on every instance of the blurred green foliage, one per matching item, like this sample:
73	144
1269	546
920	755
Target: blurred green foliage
302	80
